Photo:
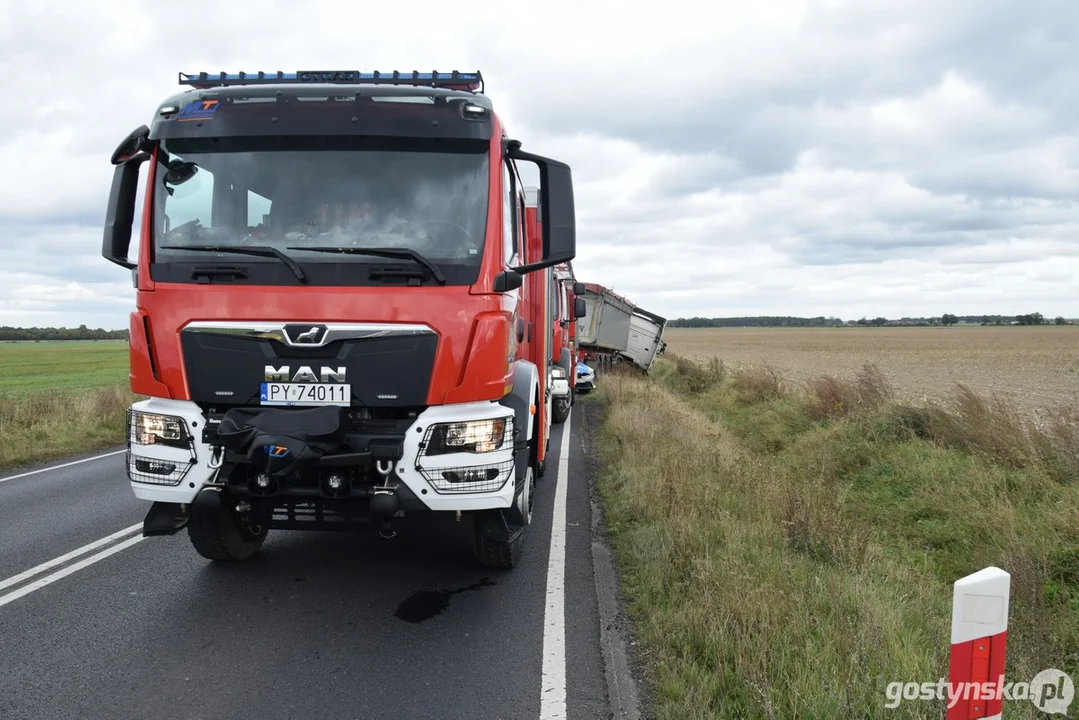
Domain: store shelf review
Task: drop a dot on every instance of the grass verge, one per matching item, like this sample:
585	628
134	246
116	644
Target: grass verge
788	550
46	425
61	398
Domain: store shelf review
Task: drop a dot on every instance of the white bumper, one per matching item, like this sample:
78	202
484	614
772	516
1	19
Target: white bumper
425	475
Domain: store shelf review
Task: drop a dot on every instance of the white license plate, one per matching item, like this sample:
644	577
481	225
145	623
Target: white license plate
306	394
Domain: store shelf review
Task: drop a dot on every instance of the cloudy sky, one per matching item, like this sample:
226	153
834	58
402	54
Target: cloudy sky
805	157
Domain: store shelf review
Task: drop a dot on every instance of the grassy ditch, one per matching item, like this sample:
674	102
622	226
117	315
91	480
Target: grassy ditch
61	398
788	550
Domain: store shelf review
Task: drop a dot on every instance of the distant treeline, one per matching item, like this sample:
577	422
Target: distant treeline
821	321
9	334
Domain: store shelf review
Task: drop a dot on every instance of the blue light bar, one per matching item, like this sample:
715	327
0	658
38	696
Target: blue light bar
451	80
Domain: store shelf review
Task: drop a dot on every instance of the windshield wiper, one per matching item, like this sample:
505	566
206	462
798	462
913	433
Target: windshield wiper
260	250
404	253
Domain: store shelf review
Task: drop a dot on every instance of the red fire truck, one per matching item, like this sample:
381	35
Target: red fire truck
334	290
563	309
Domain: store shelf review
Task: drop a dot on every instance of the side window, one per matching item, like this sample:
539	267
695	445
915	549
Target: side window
521	224
257	208
509	239
191	199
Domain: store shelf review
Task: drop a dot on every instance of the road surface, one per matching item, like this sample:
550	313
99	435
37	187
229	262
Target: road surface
317	625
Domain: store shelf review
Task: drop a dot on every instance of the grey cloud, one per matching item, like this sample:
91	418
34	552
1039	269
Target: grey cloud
807	155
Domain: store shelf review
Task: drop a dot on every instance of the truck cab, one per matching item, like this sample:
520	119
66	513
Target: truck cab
332	281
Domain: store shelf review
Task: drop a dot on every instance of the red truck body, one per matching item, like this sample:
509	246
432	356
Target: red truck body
559	323
335	281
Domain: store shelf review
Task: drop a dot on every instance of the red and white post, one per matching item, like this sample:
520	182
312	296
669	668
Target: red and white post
979	636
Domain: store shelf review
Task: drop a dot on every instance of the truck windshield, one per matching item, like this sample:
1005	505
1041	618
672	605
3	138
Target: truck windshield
295	193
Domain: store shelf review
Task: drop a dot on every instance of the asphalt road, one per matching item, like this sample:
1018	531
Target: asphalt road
317	625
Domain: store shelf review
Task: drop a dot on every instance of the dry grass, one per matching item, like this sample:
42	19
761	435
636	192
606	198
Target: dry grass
788	548
50	424
1036	368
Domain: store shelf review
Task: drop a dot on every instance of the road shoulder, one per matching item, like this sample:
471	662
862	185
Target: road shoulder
623	668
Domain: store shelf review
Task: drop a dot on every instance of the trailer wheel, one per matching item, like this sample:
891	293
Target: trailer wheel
215	530
505	554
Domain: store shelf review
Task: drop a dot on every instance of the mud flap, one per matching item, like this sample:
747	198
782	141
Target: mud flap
496	525
164	519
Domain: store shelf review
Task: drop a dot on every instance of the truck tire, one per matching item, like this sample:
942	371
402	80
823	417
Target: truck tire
215	530
560	409
505	554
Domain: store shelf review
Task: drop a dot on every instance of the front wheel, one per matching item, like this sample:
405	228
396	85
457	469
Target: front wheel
505	552
215	529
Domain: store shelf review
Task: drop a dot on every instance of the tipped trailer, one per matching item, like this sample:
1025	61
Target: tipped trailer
335	293
614	331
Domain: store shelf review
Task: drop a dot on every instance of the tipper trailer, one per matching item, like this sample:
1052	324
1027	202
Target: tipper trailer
334	283
614	330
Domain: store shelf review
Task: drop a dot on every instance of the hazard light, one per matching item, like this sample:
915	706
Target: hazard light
454	80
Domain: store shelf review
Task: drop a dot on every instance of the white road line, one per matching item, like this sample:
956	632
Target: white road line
16	579
57	467
59	574
553	689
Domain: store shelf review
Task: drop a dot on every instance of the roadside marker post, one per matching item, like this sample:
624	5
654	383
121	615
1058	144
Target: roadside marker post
979	638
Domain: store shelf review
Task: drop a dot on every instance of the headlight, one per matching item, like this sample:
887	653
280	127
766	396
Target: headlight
558	372
151	429
475	436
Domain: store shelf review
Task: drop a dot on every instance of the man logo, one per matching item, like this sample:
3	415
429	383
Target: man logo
305	334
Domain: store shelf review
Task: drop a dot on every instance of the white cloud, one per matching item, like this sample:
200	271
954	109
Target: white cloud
811	157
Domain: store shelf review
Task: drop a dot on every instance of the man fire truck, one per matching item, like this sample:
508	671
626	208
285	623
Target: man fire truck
560	322
334	285
570	307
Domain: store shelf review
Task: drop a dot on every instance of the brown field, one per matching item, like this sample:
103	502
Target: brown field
1035	367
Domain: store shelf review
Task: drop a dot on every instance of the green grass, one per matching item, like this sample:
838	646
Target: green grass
787	550
63	365
61	398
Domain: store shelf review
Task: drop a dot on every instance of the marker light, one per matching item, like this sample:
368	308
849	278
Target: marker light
452	80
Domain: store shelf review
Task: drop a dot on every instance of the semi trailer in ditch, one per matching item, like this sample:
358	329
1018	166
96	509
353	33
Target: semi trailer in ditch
335	291
614	331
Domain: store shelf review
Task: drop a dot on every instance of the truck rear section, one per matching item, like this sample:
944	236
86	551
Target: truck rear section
333	280
614	330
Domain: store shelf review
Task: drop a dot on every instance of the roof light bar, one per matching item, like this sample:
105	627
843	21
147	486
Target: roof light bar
472	81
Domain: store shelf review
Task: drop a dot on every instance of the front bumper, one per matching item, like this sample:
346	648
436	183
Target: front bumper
195	463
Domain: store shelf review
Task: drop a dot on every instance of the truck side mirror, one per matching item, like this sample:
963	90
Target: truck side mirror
579	308
556	209
120	212
578	288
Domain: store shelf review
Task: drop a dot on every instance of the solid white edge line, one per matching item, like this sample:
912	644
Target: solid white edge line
553	689
57	467
16	579
59	574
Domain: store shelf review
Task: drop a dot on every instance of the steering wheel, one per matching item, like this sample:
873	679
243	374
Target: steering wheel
191	228
465	233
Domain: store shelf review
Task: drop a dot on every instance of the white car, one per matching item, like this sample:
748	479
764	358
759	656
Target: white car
586	378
